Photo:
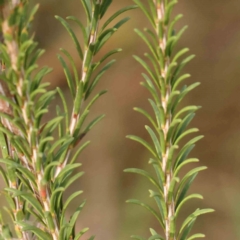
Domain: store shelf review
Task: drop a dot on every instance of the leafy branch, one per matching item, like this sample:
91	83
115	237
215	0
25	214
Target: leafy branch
38	156
169	127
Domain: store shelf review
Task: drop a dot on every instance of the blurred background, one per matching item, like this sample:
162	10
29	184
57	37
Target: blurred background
214	36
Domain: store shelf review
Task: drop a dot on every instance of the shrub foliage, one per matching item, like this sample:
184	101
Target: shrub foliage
169	126
39	157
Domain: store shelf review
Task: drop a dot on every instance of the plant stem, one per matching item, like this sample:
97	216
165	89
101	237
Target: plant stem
84	72
12	182
42	190
6	108
160	6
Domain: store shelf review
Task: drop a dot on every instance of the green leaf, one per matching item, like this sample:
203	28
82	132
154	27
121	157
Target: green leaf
189	131
68	75
137	237
147	115
187	229
79	124
175	122
79	150
42	235
143	142
81	27
158	170
33	213
73	36
74	67
65	106
145	174
67	202
28	175
9	162
194	215
116	14
192	196
186	150
6	233
71	179
4	176
151	47
61	130
51	125
179	54
180	67
187	109
146	12
95	99
185	162
92	238
182	126
171	26
29	198
108	33
185	90
155	64
186	182
154	233
173	182
168	11
93	123
11	204
60	154
10	102
64	173
151	88
88	9
156	237
178	36
56	193
150	209
3	145
98	77
155	141
77	237
147	68
105	5
79	98
159	113
50	221
159	199
106	56
74	217
59	143
197	235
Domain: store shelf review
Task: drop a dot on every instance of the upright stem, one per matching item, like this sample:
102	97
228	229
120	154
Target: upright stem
43	190
6	108
84	72
12	182
160	6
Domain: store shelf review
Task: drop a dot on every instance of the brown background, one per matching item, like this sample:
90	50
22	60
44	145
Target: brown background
214	36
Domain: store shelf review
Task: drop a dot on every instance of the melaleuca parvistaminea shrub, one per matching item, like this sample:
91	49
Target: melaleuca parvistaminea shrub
169	126
38	157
